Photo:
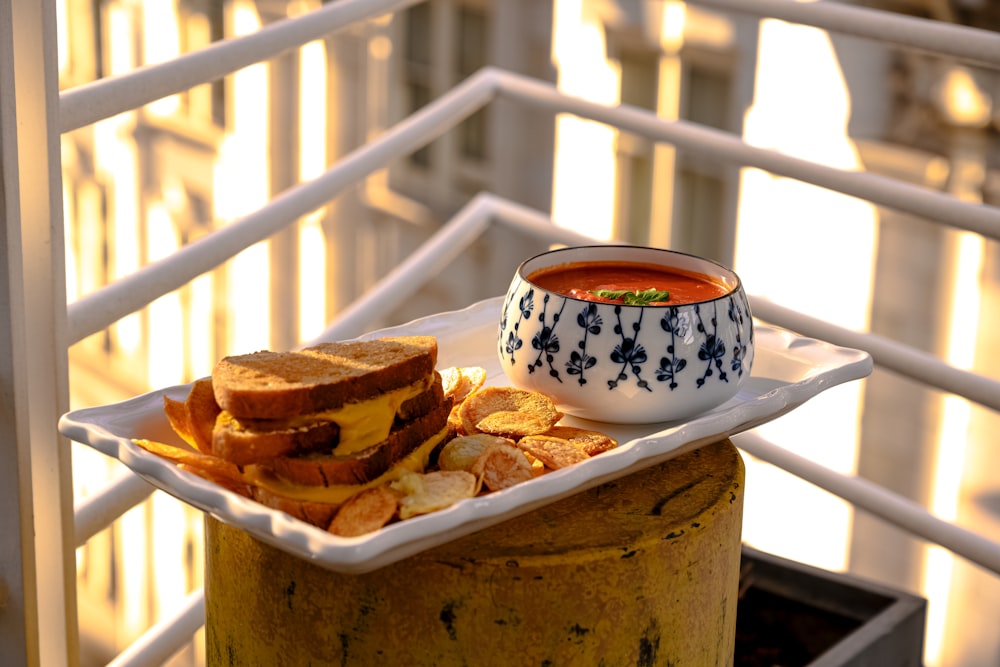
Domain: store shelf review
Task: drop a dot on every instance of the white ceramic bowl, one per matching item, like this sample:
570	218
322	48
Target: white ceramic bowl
627	364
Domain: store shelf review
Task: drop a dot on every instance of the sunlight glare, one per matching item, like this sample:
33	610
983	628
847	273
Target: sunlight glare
70	225
312	153
62	38
312	277
201	317
241	174
583	171
161	42
953	436
116	160
166	315
312	163
672	25
793	242
170	585
133	574
965	103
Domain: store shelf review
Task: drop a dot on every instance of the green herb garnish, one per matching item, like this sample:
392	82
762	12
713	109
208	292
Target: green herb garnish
630	298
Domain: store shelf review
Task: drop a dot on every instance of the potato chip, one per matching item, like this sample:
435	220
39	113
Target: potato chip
205	465
194	418
554	452
512	423
409	483
202	412
365	512
461	452
433	491
177	415
451	381
460	381
509	412
537	467
455	420
220	477
502	465
591	442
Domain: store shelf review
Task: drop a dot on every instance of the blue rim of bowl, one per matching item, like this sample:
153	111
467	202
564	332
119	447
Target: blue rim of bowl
736	287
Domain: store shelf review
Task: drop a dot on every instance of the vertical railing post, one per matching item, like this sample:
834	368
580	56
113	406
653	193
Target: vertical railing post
37	558
18	595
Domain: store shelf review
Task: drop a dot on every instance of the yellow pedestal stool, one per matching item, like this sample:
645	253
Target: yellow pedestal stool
640	571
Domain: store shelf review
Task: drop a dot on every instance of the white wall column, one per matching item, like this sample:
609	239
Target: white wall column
37	560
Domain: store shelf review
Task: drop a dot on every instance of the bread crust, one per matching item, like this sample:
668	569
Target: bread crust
326	470
281	385
252	443
259	440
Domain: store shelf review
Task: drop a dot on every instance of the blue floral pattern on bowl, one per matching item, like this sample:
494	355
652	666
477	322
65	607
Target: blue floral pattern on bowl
603	355
629	355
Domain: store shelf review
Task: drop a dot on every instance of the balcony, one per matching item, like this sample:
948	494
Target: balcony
372	152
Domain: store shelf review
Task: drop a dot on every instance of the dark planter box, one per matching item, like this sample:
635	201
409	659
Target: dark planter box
791	614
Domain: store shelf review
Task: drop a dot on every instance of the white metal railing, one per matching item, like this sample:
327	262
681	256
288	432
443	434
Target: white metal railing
878	501
486	210
483	211
27	49
892	355
105	306
96	311
979	46
162	641
37	561
99	509
89	103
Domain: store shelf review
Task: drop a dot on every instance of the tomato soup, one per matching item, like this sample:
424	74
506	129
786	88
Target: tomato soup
628	282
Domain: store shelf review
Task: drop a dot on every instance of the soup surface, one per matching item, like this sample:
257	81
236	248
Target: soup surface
628	282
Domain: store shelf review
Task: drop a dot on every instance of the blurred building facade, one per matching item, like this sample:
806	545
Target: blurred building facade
140	185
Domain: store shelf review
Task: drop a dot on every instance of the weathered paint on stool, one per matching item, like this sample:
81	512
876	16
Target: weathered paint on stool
641	571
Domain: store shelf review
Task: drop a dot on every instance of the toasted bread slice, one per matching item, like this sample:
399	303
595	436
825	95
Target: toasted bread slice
252	441
326	470
245	441
282	385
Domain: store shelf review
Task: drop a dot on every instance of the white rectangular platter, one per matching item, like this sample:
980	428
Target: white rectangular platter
788	370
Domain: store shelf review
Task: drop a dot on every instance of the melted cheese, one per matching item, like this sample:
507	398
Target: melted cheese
336	494
363	423
368	422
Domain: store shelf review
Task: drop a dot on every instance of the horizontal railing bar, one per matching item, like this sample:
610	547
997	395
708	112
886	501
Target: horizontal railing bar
433	256
95	512
535	222
879	501
967	43
162	641
472	220
895	194
97	310
88	103
91	102
886	353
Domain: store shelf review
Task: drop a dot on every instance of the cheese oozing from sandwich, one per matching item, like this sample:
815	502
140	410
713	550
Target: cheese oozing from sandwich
366	423
337	494
362	423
